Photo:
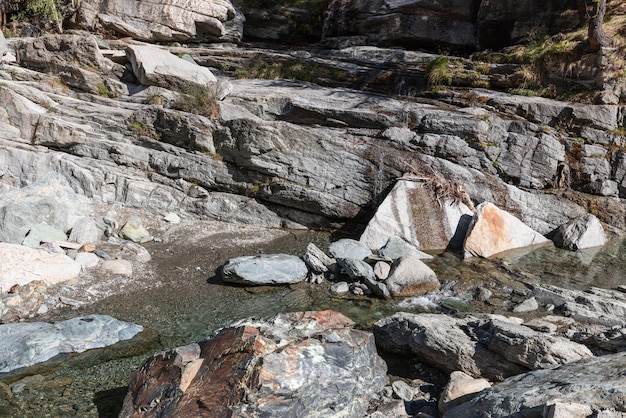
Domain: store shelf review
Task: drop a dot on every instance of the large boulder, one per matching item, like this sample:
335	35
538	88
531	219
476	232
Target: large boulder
493	231
154	66
20	265
583	232
164	20
597	382
265	269
50	200
412	212
489	348
25	344
299	364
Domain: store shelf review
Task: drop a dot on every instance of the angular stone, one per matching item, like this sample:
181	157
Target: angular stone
154	66
355	269
265	269
413	213
316	259
132	250
409	276
583	232
397	247
493	231
86	231
135	232
20	265
87	260
528	305
26	344
349	248
341	287
300	364
460	388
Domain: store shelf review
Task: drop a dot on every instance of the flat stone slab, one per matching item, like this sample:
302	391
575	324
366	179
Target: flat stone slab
20	265
26	344
265	269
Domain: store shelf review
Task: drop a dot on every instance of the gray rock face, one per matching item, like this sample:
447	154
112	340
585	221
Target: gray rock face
43	233
164	20
25	344
49	201
595	381
481	348
404	22
265	269
317	260
409	276
299	364
583	232
154	66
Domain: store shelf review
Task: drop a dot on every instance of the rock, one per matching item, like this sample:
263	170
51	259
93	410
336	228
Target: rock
43	233
593	381
303	363
381	270
21	265
460	388
172	218
4	48
317	260
50	200
349	248
402	23
402	390
409	276
356	269
87	260
164	20
25	344
264	269
412	212
378	288
583	232
493	231
135	232
136	252
154	66
339	288
86	231
117	266
557	409
487	348
528	305
397	247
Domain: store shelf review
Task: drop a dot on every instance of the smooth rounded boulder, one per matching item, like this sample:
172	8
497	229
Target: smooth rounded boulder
265	269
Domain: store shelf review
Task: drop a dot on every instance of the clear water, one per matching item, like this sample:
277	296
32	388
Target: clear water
191	304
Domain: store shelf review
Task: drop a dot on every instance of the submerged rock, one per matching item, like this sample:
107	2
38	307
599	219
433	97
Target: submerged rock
409	276
265	269
26	344
297	364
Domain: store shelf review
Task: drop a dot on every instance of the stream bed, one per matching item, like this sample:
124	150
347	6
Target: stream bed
188	302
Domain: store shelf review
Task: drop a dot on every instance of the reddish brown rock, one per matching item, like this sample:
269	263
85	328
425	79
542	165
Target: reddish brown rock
294	364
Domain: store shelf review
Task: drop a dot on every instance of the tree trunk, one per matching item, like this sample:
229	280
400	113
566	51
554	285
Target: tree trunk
597	37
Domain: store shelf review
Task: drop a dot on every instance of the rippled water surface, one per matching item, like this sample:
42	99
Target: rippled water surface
191	303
